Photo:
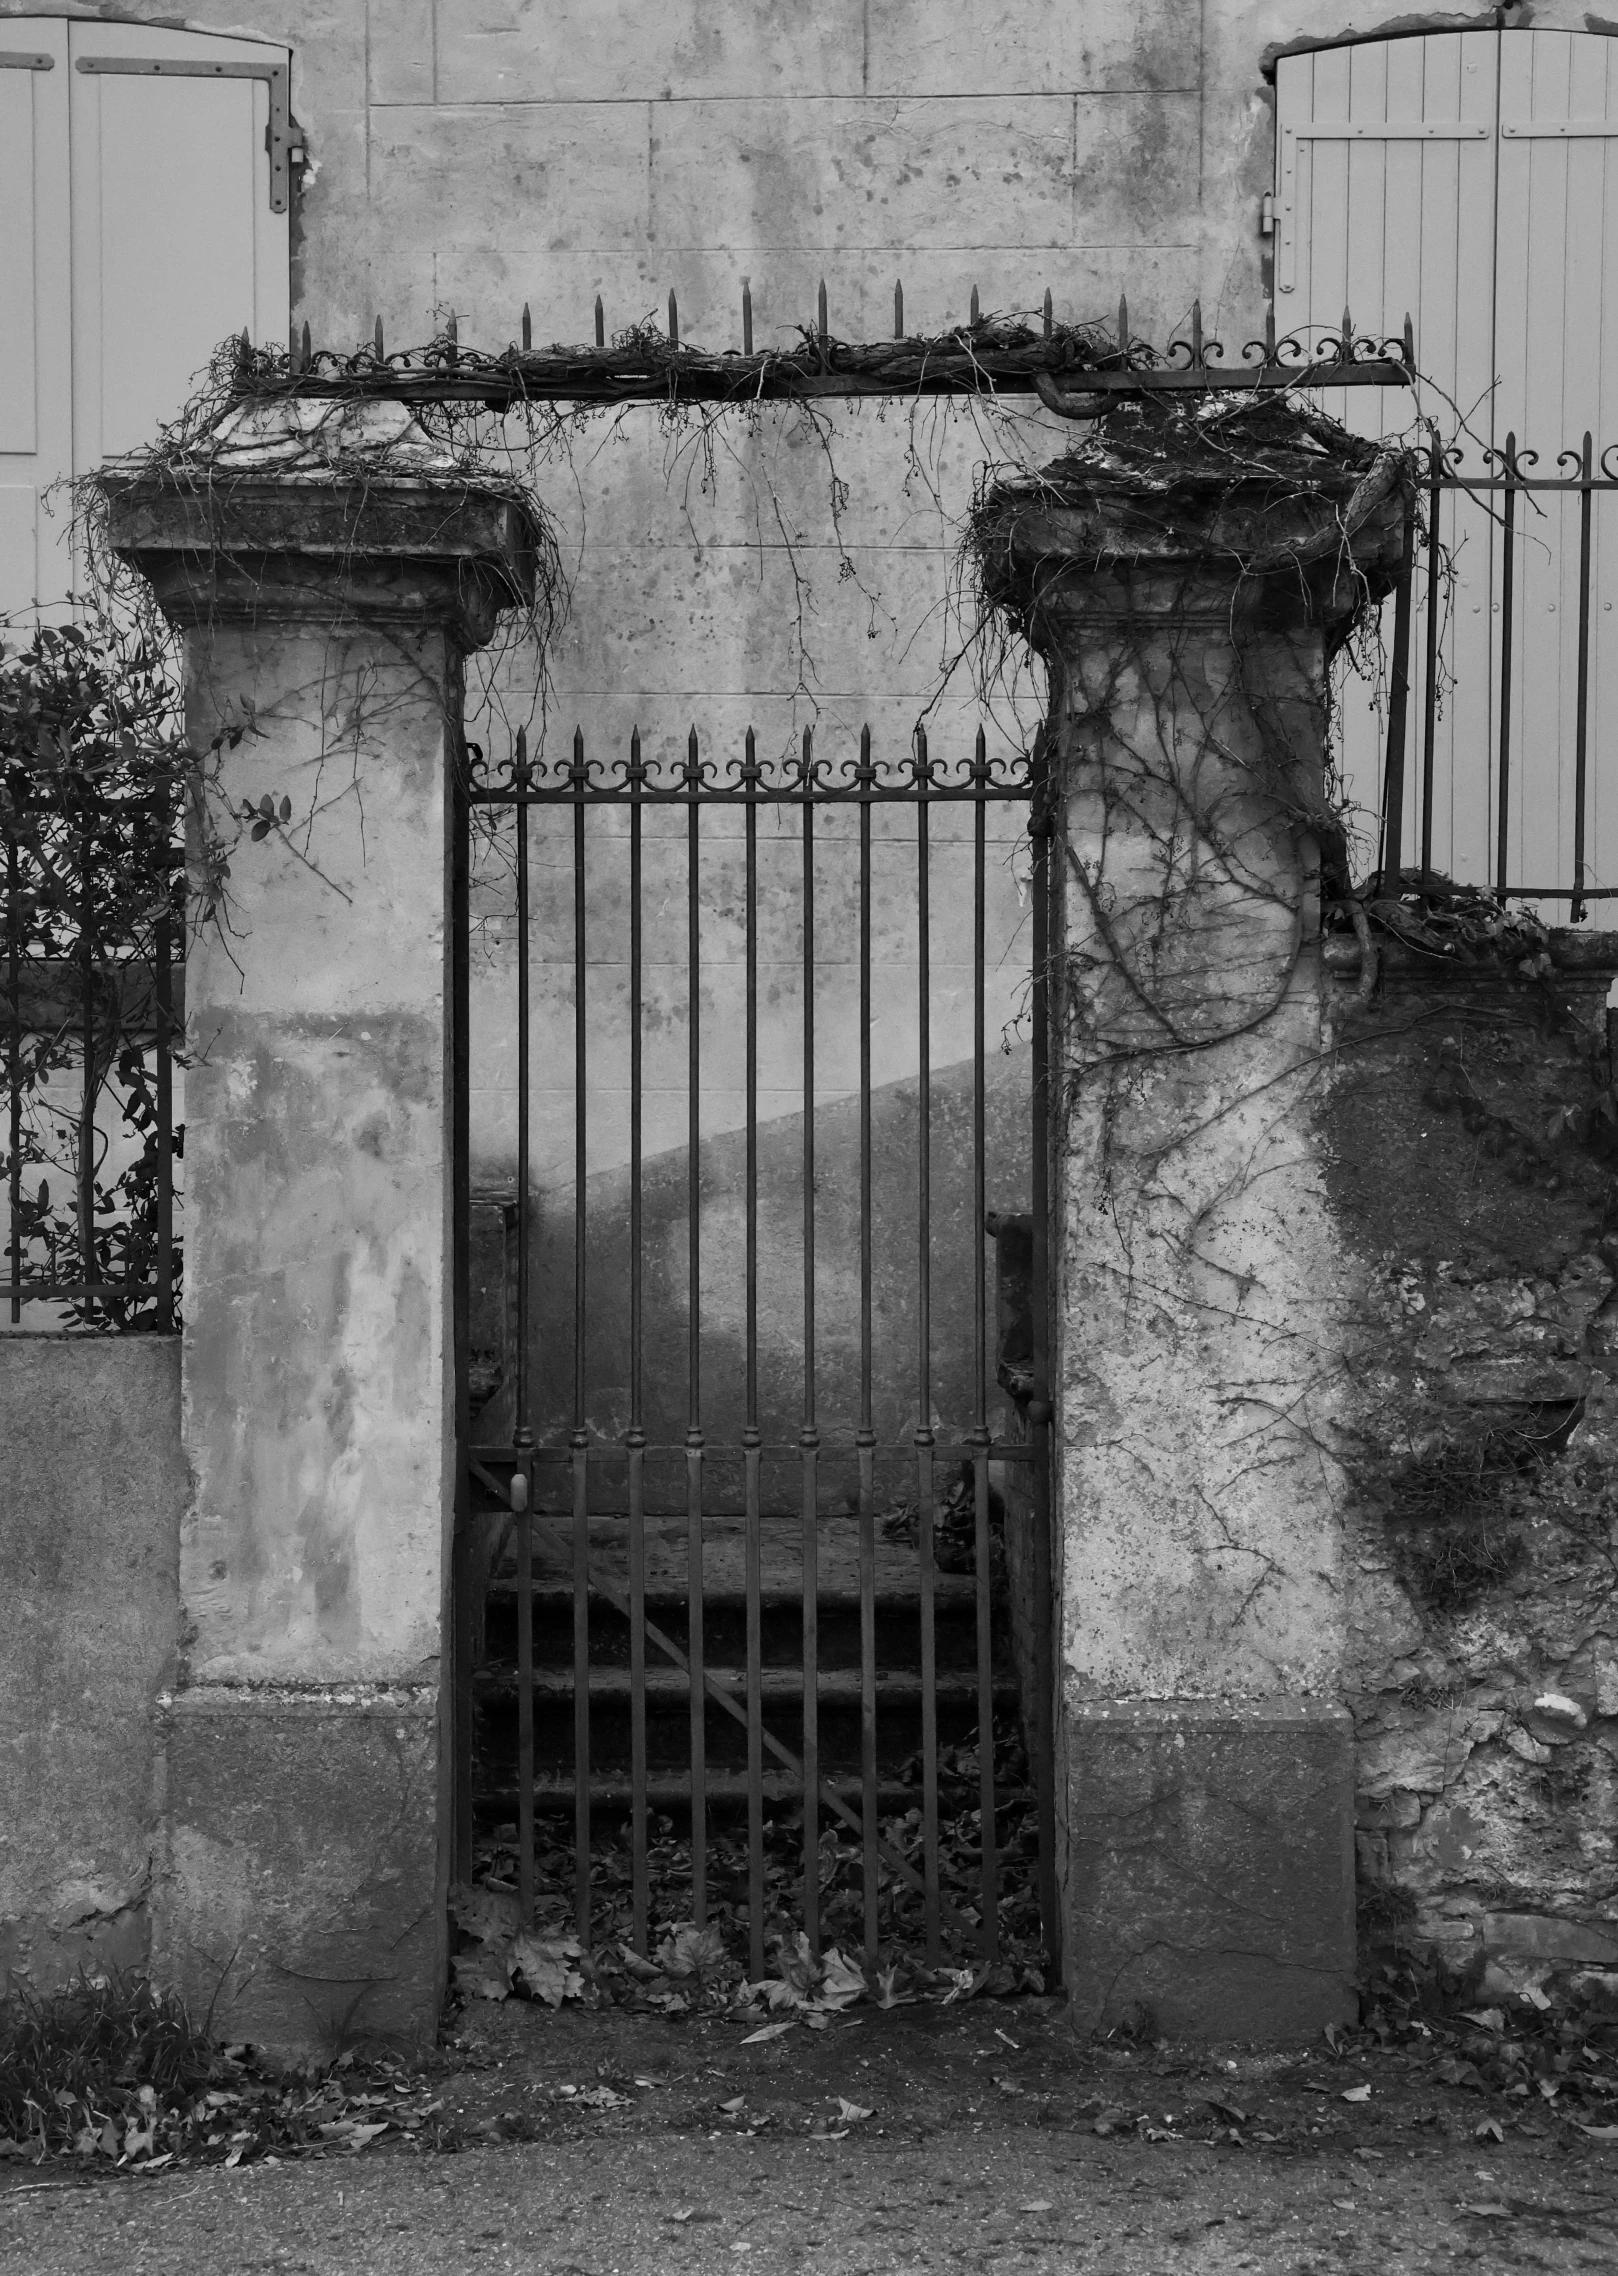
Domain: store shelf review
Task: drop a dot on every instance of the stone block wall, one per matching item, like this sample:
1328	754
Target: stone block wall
1470	1146
91	1491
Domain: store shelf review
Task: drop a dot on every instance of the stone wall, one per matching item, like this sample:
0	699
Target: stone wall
1471	1172
91	1492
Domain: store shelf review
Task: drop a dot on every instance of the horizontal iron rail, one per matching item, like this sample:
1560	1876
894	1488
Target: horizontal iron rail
998	1450
986	357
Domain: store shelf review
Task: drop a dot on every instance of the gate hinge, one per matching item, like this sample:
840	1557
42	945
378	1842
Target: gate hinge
1266	214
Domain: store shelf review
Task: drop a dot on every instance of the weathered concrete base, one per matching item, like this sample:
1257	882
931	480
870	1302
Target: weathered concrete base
1211	1866
92	1484
304	1902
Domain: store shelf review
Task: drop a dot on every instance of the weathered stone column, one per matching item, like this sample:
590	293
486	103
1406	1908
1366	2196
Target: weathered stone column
1185	579
307	1755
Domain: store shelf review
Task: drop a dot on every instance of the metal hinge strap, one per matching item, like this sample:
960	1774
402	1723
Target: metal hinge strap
277	76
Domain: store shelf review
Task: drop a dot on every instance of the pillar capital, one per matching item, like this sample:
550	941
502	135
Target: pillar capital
1157	517
246	548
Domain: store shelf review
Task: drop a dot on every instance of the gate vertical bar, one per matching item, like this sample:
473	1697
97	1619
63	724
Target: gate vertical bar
579	1436
87	1044
750	1428
1508	595
163	1005
980	1368
522	1495
1041	828
866	1436
1391	856
14	1100
1429	729
1577	910
809	1438
635	1438
693	1435
463	1615
925	1435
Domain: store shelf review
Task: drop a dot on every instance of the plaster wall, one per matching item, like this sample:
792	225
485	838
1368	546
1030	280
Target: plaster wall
91	1494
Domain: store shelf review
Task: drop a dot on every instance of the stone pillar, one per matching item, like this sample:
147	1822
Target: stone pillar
307	1753
1185	611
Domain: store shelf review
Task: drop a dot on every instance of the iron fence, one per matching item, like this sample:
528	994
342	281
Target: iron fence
712	1465
90	1025
1497	728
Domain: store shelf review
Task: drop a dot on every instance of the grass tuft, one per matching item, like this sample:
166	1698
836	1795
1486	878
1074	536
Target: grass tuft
99	2054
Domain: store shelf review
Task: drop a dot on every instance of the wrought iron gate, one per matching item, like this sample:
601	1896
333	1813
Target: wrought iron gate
744	1572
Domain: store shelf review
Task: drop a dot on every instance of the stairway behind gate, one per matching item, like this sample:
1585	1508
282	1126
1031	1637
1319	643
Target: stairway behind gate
753	1562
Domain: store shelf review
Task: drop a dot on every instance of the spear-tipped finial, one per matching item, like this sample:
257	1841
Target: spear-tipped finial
1410	341
747	317
522	752
452	333
693	767
578	750
634	750
307	348
527	328
808	750
377	348
750	763
922	762
898	308
973	319
1269	332
1348	335
821	310
1123	324
1196	334
1050	313
674	321
601	323
865	748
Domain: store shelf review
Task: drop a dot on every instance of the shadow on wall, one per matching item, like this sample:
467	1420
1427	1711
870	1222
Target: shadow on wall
961	1262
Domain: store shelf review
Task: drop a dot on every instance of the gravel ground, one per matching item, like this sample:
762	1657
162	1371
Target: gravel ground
991	2143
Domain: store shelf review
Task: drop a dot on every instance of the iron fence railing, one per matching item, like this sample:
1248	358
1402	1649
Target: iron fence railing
90	1021
1496	732
729	1348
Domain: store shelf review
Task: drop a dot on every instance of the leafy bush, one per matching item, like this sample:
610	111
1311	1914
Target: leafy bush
93	775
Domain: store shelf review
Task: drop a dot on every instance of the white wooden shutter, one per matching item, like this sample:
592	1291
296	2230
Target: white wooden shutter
176	238
1472	178
143	219
36	431
1556	366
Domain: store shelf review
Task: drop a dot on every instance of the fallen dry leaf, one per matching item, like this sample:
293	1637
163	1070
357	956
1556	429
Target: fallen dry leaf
850	2112
1488	2210
1356	2094
765	2031
1037	2205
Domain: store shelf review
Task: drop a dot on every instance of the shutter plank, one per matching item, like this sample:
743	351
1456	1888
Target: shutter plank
35	325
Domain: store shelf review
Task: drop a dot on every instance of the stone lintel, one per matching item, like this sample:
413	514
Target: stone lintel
267	550
1211	1866
303	1901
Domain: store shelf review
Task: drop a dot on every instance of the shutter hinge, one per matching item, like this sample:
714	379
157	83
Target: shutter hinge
1266	214
277	76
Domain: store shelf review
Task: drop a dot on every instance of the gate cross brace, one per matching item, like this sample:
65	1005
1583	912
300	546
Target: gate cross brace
723	1696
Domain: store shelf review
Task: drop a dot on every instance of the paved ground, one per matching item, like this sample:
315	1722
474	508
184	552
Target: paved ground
990	2144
